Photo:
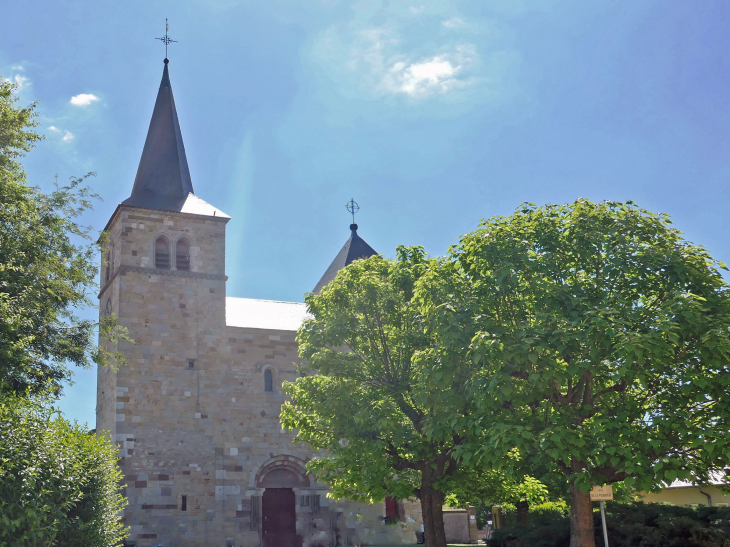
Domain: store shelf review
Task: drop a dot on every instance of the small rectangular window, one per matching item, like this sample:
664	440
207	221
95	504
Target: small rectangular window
184	503
191	364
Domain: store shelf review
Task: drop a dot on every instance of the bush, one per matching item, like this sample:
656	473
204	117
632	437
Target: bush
59	483
629	524
550	511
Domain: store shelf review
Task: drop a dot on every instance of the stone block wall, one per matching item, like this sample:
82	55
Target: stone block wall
189	411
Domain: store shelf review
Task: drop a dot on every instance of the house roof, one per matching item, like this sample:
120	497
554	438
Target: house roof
264	314
354	248
163	178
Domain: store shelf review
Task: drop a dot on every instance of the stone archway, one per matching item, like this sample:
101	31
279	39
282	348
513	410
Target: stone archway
278	477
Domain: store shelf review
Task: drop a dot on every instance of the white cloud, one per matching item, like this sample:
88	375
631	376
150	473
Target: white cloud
435	75
54	129
17	67
67	137
454	22
416	10
83	99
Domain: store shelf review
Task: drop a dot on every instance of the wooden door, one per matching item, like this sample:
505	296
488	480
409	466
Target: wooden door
279	518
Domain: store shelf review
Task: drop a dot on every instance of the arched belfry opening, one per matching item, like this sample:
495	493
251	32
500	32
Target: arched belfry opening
162	253
182	254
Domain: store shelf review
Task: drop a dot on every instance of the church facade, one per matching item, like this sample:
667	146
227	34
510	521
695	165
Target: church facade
195	408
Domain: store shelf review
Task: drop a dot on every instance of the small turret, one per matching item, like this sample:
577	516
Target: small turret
354	248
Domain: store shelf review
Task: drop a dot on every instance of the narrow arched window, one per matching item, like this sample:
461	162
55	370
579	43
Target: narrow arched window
162	253
108	265
268	380
182	254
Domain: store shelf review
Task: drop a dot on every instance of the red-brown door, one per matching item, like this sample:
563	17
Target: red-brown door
279	517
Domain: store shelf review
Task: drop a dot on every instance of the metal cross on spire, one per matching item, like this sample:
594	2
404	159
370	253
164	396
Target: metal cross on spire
353	208
166	39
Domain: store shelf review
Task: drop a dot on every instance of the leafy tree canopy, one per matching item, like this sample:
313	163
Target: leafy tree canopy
59	482
601	341
389	420
47	265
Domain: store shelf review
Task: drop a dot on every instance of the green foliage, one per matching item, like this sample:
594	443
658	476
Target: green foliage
630	524
371	395
59	482
601	338
47	268
538	513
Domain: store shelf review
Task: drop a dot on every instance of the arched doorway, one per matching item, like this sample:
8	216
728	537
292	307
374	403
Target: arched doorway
278	503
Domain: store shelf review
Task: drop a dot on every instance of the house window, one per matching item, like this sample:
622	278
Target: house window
268	380
108	266
162	253
184	503
182	254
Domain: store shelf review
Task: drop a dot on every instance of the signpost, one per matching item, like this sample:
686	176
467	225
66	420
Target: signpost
601	494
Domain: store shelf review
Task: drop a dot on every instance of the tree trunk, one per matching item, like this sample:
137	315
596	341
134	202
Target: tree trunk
522	508
581	518
432	502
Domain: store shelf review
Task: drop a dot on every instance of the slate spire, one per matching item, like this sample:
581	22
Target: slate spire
354	248
163	178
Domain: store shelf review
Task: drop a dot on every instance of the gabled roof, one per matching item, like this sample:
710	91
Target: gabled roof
354	248
163	178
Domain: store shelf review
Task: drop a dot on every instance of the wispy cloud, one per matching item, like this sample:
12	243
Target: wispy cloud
420	51
453	23
67	135
83	99
20	81
376	57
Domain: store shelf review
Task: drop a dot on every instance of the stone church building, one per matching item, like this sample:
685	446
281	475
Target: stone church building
195	409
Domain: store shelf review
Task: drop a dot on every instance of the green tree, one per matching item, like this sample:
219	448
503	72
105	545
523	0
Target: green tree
601	338
47	269
368	396
484	487
59	482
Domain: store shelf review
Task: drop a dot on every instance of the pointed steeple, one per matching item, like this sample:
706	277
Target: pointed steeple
163	179
354	248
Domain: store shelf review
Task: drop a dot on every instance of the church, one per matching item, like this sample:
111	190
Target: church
195	409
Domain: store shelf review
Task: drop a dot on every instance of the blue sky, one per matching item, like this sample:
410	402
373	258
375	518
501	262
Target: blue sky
431	114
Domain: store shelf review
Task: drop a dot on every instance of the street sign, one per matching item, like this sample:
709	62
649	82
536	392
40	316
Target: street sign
602	493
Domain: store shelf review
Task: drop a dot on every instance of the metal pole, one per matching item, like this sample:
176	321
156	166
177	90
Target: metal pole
605	531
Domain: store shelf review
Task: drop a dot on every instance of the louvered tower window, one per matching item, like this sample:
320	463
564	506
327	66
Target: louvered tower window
182	254
162	253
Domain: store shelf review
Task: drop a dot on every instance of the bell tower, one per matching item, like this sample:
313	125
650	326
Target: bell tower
163	275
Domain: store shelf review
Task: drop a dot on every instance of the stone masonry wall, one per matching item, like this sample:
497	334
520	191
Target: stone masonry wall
189	411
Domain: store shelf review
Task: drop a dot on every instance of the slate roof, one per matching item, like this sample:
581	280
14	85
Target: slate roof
354	248
264	314
163	178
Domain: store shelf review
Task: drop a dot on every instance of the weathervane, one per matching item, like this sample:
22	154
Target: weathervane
166	40
353	208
